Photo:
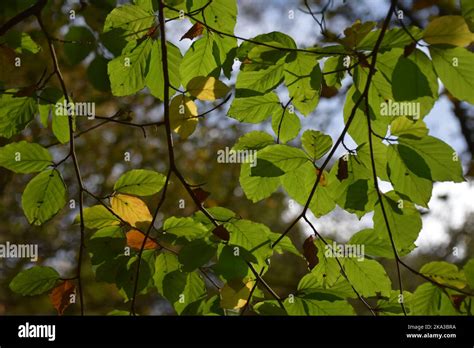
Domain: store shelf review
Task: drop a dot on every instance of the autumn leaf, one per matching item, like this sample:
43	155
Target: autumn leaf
323	181
61	295
221	232
200	194
310	252
131	209
193	32
207	88
183	116
135	241
342	170
235	293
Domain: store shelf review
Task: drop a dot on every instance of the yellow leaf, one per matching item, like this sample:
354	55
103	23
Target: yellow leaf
183	116
451	30
131	209
207	88
235	293
403	125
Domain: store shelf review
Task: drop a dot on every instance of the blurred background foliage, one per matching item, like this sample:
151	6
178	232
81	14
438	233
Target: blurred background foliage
101	151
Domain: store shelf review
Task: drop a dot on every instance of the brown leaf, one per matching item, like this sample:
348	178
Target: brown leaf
323	181
151	32
193	32
310	252
60	295
135	240
221	232
200	194
409	49
26	91
457	300
342	170
328	91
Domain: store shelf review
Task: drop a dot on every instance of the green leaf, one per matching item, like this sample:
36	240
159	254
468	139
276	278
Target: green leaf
97	74
374	244
441	159
24	157
409	174
286	125
368	277
469	272
316	143
184	227
21	42
467	9
128	72
429	299
126	276
219	14
229	264
15	113
298	184
83	43
182	289
261	81
154	76
256	188
132	19
43	197
444	273
60	115
397	37
165	264
250	236
331	65
274	38
451	30
140	182
307	306
98	216
106	244
391	305
352	186
303	78
275	160
255	109
405	126
455	68
403	218
254	140
269	307
196	254
34	281
408	81
198	60
358	129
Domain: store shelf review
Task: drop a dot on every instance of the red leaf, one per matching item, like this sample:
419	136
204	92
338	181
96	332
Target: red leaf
221	232
310	252
60	295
